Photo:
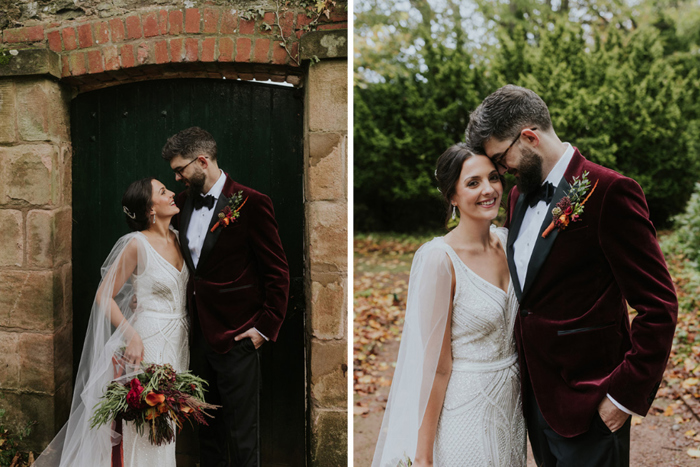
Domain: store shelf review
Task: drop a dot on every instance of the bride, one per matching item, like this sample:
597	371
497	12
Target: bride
455	397
138	315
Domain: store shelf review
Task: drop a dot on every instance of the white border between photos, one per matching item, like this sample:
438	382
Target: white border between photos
351	230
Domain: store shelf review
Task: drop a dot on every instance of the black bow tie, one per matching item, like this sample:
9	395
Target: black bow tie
204	201
545	193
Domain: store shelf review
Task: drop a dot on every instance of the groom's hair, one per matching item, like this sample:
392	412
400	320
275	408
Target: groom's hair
189	144
504	114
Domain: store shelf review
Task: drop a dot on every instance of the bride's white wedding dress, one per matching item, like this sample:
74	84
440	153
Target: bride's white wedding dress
161	321
481	423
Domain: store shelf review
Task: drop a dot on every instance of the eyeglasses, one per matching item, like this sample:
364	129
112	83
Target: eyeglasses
498	159
179	170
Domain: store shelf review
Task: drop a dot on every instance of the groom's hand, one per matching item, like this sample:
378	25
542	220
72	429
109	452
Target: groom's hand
613	417
253	335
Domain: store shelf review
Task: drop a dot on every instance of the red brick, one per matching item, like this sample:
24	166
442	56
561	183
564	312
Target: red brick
69	41
95	61
302	20
53	25
262	47
127	54
279	55
277	79
65	66
191	50
54	38
208	49
287	23
101	32
176	50
118	33
84	36
175	17
211	20
247	27
111	57
163	22
29	34
162	52
150	24
243	45
192	20
78	64
229	22
339	14
325	27
268	20
133	27
225	49
143	54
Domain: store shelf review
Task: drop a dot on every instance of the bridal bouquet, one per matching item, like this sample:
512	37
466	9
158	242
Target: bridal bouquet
158	398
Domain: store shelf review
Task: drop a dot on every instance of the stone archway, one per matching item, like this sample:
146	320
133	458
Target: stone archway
49	63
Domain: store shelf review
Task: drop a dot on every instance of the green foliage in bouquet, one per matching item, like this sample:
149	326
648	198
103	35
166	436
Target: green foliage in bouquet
159	398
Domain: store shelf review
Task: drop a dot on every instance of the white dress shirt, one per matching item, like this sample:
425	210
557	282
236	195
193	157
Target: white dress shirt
199	225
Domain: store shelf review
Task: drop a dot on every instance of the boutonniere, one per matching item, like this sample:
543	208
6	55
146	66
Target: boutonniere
570	207
230	213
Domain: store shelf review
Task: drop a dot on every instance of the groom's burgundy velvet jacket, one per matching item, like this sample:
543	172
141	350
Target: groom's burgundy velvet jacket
242	279
573	332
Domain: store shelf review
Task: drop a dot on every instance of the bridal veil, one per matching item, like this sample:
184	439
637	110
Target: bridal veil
77	445
427	310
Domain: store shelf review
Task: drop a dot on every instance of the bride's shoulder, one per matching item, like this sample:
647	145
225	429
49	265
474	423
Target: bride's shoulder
501	232
435	251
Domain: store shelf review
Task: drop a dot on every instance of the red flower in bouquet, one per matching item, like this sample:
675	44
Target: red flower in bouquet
133	398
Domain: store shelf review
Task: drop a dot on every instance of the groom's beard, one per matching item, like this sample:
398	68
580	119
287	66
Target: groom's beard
529	176
196	184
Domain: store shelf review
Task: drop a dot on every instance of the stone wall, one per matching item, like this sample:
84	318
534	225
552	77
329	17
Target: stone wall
58	48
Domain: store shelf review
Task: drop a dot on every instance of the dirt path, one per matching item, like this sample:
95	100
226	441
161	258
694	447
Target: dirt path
658	441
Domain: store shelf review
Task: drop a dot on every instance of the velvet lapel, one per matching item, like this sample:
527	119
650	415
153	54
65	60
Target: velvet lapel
212	237
544	245
184	225
518	214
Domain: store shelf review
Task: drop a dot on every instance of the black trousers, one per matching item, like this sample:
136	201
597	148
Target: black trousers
232	438
598	447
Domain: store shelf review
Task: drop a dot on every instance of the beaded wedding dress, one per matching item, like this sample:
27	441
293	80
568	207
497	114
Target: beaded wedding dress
162	324
481	423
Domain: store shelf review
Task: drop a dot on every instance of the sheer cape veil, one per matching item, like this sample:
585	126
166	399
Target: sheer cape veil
427	310
76	444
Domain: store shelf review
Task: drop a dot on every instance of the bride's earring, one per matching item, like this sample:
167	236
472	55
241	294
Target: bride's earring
454	212
154	218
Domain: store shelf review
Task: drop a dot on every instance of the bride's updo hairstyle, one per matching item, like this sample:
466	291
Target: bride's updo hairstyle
449	166
137	202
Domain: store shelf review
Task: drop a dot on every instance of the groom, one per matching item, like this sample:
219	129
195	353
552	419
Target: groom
237	294
584	368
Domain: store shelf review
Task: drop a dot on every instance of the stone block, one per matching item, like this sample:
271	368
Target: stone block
12	235
328	309
63	356
326	177
30	300
328	235
42	409
28	176
48	237
329	438
8	112
30	62
45	107
36	356
327	96
325	44
66	178
9	362
329	370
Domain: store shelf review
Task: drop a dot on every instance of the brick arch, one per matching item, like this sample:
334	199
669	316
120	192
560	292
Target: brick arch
208	41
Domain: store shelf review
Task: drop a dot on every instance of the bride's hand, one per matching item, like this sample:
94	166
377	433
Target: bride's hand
134	350
422	463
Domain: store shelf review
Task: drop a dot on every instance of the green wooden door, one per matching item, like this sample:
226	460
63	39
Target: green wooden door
118	134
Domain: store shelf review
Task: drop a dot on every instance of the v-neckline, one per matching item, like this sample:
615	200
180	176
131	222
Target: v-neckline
179	271
510	279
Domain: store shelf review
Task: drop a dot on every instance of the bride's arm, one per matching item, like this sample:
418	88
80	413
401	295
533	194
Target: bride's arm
122	270
428	428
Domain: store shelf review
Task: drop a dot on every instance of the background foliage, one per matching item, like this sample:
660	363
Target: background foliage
622	83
